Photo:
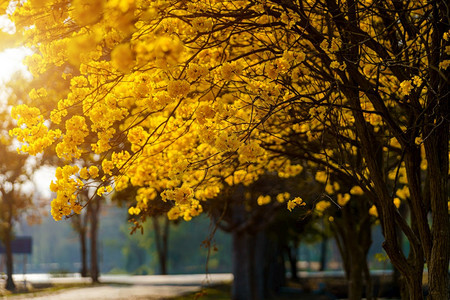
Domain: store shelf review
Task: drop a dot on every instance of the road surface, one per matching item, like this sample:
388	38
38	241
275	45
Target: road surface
123	286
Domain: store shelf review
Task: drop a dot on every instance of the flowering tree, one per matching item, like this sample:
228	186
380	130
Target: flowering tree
14	203
16	191
251	213
178	97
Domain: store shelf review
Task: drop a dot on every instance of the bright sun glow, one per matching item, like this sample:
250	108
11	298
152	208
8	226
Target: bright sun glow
11	62
11	59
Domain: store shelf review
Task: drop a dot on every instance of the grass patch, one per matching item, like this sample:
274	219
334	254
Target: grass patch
216	292
223	292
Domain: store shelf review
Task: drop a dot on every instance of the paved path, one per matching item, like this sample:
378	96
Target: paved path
126	287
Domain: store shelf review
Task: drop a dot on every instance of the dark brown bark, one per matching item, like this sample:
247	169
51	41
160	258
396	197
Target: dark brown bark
370	148
250	263
437	133
10	285
83	250
94	212
162	238
368	281
355	281
7	239
241	289
438	261
80	225
323	253
251	258
257	260
432	245
353	236
292	258
386	209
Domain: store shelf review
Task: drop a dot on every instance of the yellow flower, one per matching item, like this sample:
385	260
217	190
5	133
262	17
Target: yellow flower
263	200
229	70
134	211
104	190
174	213
196	71
373	211
137	135
107	166
202	24
84	173
335	65
405	87
282	197
343	199
357	191
250	152
86	12
178	88
321	206
77	208
403	193
297	201
321	176
227	142
417	81
397	202
93	171
122	58
444	64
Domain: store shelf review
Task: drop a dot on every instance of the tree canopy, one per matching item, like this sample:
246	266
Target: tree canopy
183	97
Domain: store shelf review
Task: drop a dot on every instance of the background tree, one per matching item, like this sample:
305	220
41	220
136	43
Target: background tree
160	226
349	220
80	225
251	213
14	203
16	191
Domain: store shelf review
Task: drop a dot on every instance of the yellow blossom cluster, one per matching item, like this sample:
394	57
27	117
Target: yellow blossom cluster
176	104
67	187
32	130
263	200
297	201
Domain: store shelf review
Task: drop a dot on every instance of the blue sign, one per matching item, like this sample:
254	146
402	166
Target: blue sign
20	245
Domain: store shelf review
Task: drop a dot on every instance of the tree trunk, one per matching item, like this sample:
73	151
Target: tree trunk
79	223
83	246
368	281
323	253
241	289
355	261
258	246
275	271
256	266
388	215
414	283
437	149
355	283
352	231
162	239
10	285
165	244
293	258
94	210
